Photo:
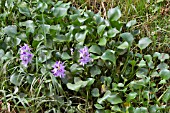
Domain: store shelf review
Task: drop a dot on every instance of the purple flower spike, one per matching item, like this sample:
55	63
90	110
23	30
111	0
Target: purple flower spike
84	56
59	69
25	55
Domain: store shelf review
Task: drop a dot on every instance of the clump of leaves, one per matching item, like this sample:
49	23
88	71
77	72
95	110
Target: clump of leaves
116	77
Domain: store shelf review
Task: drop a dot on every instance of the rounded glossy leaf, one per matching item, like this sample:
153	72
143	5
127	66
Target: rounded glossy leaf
127	37
166	96
142	63
112	32
162	66
131	23
60	12
142	72
106	95
74	87
109	55
115	108
25	11
29	25
144	42
95	92
163	56
98	106
141	110
131	95
29	79
90	81
114	14
165	74
114	99
80	37
65	56
16	79
124	45
95	49
102	41
95	70
100	29
1	53
11	30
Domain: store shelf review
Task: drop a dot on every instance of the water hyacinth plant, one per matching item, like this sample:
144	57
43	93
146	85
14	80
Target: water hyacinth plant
81	61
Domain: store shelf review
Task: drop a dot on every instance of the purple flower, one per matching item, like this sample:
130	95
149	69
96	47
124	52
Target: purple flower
25	55
59	69
25	48
84	56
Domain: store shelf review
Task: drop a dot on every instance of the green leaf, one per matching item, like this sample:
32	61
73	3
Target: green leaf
102	41
74	87
80	37
75	68
154	74
142	63
78	81
95	70
120	85
163	56
127	37
98	106
166	96
141	110
112	32
95	49
11	30
156	54
165	74
90	81
61	38
98	19
3	45
60	12
114	99
144	42
65	56
95	92
131	95
114	14
115	108
8	55
124	45
159	1
100	29
29	25
16	79
142	72
25	11
45	29
148	58
81	20
131	23
44	55
30	79
109	55
1	53
42	6
162	66
106	95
